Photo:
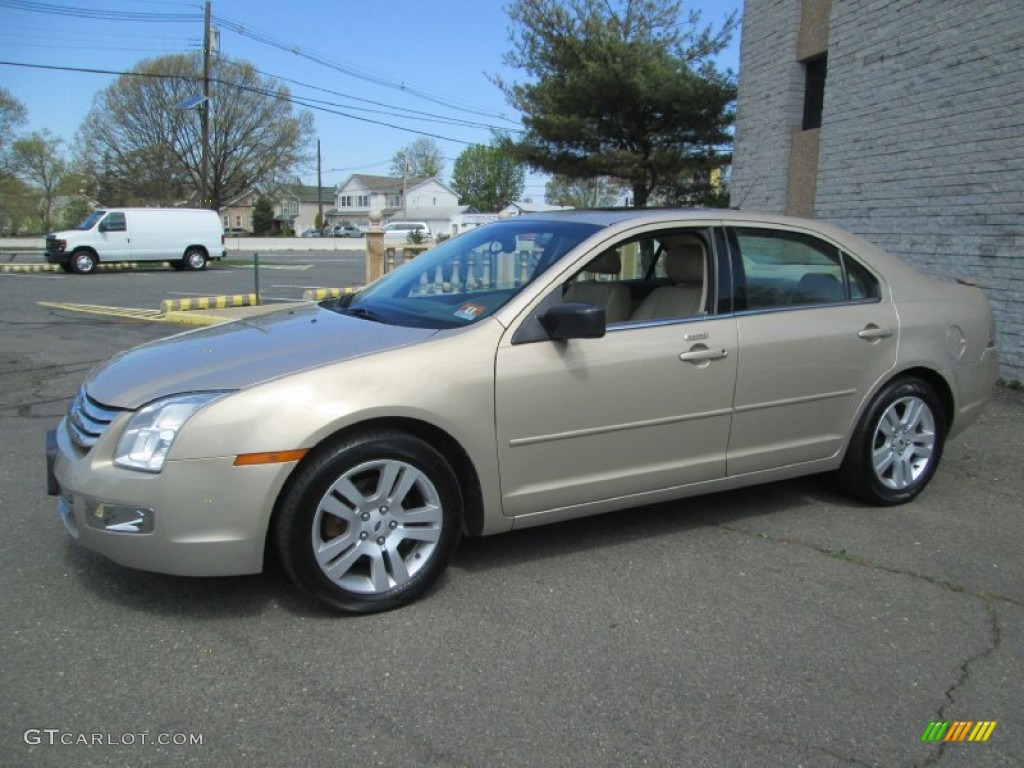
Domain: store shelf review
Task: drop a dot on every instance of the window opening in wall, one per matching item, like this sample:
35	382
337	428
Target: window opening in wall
814	91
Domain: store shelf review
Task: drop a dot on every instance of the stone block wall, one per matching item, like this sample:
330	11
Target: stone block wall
922	140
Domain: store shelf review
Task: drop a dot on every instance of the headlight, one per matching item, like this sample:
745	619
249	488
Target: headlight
150	432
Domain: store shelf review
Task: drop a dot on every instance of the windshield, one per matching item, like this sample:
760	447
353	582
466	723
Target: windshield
469	277
90	221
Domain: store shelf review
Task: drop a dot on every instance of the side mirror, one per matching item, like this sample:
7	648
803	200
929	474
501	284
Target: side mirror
574	320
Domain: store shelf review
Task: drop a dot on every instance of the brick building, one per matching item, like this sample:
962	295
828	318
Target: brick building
901	120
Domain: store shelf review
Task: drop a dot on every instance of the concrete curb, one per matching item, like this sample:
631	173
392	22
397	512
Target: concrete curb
126	266
209	302
29	268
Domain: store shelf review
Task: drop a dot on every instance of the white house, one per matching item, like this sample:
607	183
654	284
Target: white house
417	198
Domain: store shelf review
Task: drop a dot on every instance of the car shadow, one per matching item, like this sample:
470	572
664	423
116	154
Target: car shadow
244	596
189	597
647	522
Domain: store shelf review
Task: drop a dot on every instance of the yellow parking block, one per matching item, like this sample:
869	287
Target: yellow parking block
322	294
209	302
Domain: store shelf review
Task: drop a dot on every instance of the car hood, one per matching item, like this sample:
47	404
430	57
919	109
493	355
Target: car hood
242	353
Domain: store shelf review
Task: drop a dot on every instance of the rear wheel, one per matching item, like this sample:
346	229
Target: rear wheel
371	522
83	262
897	444
194	260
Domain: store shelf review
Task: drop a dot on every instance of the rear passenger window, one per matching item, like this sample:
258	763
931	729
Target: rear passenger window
863	285
788	269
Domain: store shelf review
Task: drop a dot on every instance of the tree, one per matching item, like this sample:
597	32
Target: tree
262	216
596	192
138	146
421	158
624	89
12	116
487	178
41	164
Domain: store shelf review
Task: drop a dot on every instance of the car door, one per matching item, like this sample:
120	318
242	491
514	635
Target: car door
114	237
645	408
816	331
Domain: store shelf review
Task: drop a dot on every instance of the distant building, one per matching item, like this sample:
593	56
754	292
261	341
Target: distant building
296	206
900	120
417	198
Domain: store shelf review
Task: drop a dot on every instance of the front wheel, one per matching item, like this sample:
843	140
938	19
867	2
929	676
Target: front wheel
897	444
370	522
194	260
83	262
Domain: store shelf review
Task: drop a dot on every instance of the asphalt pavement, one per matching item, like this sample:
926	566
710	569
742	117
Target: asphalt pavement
785	625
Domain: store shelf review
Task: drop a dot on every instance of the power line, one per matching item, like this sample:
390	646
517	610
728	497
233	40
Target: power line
53	9
348	69
270	94
411	112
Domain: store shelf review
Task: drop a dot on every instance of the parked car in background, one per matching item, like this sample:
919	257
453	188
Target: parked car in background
310	232
398	232
186	238
344	230
540	368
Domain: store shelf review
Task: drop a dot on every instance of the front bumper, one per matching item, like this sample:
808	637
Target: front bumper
57	257
202	517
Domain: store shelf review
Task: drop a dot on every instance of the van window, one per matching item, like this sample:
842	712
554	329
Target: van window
114	223
90	221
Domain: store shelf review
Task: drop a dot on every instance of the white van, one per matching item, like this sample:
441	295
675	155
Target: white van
398	232
187	238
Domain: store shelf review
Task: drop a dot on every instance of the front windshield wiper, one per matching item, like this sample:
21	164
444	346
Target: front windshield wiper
366	314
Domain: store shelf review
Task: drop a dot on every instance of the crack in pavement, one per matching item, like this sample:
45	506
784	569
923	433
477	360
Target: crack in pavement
995	633
987	601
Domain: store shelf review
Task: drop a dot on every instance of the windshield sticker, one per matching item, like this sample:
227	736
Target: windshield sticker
469	311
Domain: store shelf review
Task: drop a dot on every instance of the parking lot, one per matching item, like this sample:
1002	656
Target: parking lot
777	626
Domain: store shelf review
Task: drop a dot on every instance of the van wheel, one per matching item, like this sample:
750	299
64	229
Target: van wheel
177	264
370	523
83	262
194	260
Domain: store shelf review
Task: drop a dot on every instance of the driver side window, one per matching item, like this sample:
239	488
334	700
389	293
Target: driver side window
657	276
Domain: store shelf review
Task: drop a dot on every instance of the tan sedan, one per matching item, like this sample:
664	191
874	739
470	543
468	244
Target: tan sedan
533	370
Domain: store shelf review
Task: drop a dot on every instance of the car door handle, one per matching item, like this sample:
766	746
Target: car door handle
701	354
872	332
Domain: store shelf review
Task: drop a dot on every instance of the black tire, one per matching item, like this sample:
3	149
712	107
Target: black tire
194	260
177	264
83	262
370	522
897	445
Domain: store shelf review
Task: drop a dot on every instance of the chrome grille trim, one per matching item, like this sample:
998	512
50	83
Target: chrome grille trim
88	420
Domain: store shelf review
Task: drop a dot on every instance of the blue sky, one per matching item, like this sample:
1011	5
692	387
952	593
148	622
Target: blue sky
427	55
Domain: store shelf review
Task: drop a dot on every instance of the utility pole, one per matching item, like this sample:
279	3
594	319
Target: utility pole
319	189
405	182
205	195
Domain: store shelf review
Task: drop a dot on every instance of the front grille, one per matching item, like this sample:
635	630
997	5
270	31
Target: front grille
51	244
88	420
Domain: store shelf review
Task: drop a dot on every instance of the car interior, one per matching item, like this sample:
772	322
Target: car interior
658	277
